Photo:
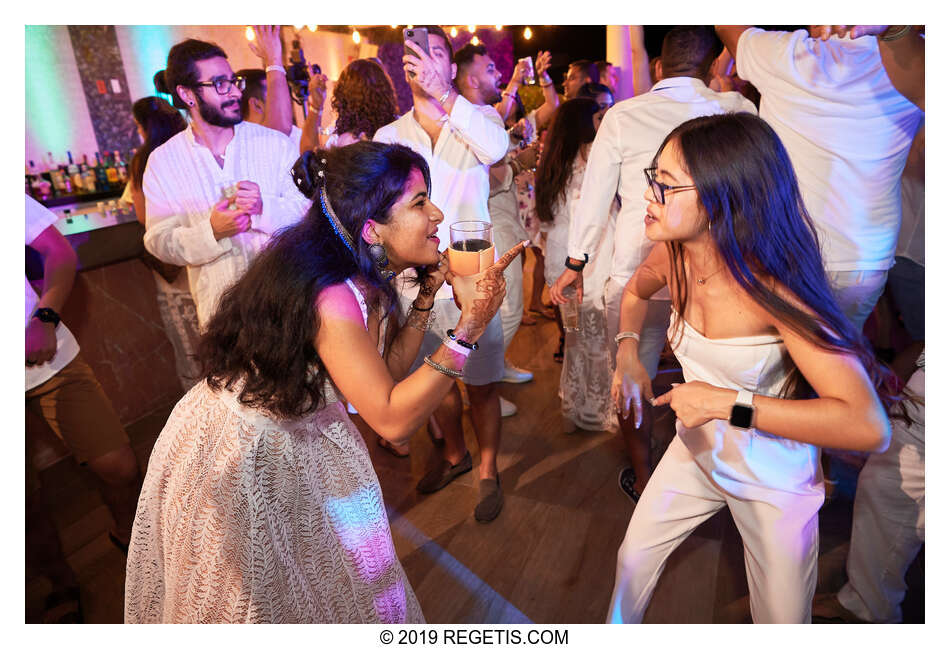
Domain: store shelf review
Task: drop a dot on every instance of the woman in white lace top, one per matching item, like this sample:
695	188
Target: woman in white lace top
260	503
588	365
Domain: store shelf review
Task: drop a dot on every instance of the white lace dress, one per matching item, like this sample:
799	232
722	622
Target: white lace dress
243	518
588	366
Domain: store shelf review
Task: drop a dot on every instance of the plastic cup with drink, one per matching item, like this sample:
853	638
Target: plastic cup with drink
471	248
569	310
529	77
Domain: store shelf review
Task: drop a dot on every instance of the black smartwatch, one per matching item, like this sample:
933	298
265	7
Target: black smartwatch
742	410
578	267
45	314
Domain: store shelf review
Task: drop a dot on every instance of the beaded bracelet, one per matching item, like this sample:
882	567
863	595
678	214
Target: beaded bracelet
455	374
456	347
275	68
415	308
451	334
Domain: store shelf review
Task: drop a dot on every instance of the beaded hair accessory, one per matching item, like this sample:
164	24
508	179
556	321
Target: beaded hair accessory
330	214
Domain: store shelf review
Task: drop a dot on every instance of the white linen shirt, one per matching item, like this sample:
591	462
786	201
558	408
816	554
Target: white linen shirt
626	142
38	218
473	139
183	182
847	131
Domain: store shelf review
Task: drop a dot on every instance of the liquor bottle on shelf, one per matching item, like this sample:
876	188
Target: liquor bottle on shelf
41	188
88	175
112	175
57	177
121	168
102	181
74	174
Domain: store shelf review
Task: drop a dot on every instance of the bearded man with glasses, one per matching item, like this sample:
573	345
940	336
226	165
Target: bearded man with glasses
217	191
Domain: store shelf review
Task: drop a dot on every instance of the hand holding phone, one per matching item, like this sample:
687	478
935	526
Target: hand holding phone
419	36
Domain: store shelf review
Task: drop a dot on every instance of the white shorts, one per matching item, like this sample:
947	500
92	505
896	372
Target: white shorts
485	365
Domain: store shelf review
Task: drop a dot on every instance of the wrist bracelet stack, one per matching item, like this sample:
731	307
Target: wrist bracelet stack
451	334
456	347
455	374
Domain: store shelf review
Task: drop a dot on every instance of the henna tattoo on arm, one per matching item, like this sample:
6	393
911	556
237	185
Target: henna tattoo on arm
418	320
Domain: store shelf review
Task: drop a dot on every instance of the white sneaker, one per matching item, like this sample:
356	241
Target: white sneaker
516	374
507	408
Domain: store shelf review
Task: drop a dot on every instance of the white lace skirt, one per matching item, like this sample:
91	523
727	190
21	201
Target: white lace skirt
245	519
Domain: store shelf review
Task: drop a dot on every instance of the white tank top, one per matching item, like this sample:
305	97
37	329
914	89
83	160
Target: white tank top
746	463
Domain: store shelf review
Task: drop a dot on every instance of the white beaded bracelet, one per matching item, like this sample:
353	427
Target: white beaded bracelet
275	68
626	334
455	347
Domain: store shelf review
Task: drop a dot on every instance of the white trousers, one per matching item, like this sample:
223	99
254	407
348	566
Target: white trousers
781	542
888	525
506	232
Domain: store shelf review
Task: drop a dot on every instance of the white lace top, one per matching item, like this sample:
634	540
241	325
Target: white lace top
244	518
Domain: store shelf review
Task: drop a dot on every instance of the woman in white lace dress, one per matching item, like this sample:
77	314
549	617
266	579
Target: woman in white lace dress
260	503
588	363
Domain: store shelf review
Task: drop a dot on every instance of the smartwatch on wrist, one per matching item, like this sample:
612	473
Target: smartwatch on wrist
742	410
578	267
45	314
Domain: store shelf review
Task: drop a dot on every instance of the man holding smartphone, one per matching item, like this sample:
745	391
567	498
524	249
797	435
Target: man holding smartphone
460	141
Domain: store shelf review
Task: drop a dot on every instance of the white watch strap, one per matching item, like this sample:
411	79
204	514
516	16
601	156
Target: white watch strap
744	398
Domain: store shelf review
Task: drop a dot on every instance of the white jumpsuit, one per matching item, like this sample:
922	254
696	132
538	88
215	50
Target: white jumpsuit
773	488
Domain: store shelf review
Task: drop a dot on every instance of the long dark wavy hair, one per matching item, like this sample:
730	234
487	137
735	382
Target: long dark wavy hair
364	98
748	188
571	127
159	121
265	324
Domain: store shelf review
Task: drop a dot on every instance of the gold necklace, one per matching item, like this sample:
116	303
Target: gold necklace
702	280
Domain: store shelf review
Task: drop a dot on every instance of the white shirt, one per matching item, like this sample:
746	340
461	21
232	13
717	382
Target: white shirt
183	182
473	139
847	132
38	218
626	142
296	134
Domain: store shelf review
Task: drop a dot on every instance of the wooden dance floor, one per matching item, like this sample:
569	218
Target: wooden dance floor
550	555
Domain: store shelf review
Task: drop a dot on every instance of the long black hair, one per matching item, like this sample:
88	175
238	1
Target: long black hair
264	327
159	121
758	221
571	127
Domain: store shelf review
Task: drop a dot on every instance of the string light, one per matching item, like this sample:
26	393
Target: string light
356	37
498	28
249	33
299	27
454	32
408	26
527	33
394	26
474	40
312	28
471	28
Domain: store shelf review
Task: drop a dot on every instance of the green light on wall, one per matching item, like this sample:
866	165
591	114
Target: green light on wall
151	45
49	116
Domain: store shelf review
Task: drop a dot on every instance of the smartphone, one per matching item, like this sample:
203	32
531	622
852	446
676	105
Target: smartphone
419	36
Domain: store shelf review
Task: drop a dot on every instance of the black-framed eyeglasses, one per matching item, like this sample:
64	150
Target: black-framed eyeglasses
660	189
222	86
